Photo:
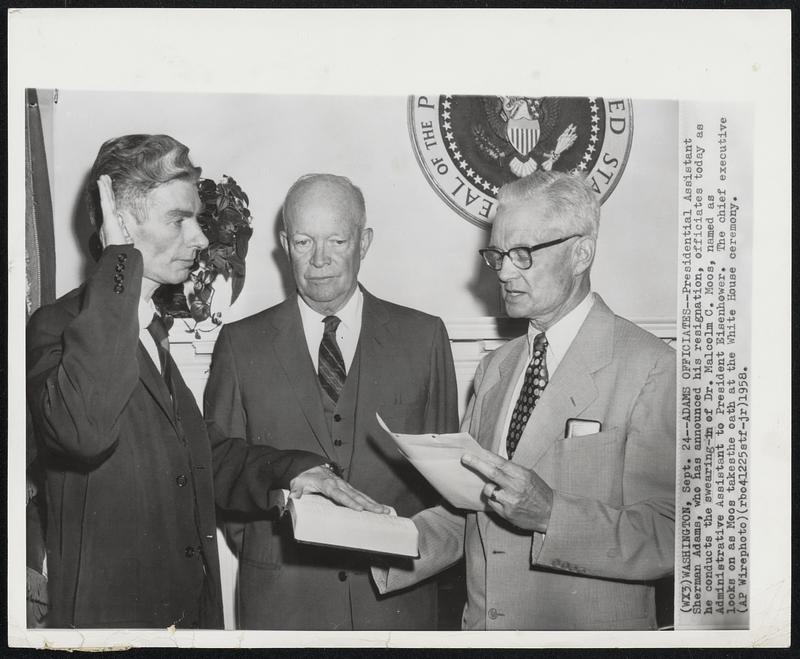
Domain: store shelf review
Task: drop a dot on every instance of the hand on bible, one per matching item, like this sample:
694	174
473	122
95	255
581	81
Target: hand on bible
322	480
514	492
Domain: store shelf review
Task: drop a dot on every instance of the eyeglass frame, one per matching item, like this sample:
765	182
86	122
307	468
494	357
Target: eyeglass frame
525	248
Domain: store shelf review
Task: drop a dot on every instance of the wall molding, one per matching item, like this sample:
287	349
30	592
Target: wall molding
471	339
491	330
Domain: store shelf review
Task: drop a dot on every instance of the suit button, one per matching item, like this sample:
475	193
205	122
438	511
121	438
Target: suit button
493	614
119	288
337	442
181	480
189	551
122	257
342	576
119	267
337	417
118	278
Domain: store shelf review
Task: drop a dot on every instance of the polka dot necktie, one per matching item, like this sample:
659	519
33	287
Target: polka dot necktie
331	369
536	379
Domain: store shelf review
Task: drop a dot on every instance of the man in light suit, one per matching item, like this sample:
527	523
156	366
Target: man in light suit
131	529
577	425
310	373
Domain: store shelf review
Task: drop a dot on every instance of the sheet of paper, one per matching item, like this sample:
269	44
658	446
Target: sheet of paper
438	459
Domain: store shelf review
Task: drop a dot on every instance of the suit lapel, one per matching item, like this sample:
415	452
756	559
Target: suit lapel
495	406
571	388
291	352
153	381
498	398
373	362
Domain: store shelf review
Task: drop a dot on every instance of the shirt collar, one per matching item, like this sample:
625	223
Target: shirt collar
349	314
146	311
562	333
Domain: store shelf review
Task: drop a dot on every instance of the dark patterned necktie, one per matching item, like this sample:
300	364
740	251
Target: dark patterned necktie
331	365
536	379
158	330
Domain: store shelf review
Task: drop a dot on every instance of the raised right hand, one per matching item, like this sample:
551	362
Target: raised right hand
113	230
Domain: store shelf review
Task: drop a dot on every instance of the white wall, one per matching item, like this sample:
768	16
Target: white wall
266	142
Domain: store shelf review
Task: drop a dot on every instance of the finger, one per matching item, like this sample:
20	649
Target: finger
509	468
365	500
107	202
367	503
488	470
343	498
489	489
112	231
487	456
497	507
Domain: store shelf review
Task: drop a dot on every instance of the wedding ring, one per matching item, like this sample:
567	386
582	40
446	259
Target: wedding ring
493	495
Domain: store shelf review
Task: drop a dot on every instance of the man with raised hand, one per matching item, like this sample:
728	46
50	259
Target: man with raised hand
132	474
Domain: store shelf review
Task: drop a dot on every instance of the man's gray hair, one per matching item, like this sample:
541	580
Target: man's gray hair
342	182
569	197
136	165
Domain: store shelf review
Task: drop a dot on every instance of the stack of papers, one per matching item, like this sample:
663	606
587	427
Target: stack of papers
438	459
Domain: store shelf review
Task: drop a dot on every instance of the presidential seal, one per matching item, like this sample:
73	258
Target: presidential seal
470	146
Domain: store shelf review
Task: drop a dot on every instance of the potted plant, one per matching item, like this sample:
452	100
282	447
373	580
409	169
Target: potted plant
226	221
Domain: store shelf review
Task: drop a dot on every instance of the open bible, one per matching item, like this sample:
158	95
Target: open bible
318	520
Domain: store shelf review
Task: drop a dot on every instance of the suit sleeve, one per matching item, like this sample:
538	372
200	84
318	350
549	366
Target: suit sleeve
634	541
441	411
243	473
441	544
82	369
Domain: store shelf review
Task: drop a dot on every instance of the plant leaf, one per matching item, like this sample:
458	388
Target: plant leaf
237	284
236	263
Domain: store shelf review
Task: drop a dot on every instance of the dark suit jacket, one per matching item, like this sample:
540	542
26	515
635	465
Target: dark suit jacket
131	519
263	386
611	530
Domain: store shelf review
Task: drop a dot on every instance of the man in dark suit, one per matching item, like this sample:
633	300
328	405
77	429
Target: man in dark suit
131	531
577	426
310	373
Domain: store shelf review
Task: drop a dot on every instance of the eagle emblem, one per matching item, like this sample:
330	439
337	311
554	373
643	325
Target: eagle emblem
470	146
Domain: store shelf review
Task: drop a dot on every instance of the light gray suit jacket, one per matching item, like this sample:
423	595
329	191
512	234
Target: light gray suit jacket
611	531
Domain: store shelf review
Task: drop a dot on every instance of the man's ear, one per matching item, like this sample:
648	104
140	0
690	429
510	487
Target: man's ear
127	221
366	241
583	254
284	242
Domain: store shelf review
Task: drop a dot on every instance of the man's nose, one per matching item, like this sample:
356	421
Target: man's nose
198	239
319	257
508	270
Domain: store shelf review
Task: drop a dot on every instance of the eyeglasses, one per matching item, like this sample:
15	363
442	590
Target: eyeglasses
521	257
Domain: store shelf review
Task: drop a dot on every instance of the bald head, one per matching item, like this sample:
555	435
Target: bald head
337	193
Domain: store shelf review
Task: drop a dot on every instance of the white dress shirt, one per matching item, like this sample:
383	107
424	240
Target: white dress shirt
346	334
146	311
559	338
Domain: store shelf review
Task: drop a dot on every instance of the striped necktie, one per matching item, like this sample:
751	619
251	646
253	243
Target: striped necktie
158	330
536	379
331	364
